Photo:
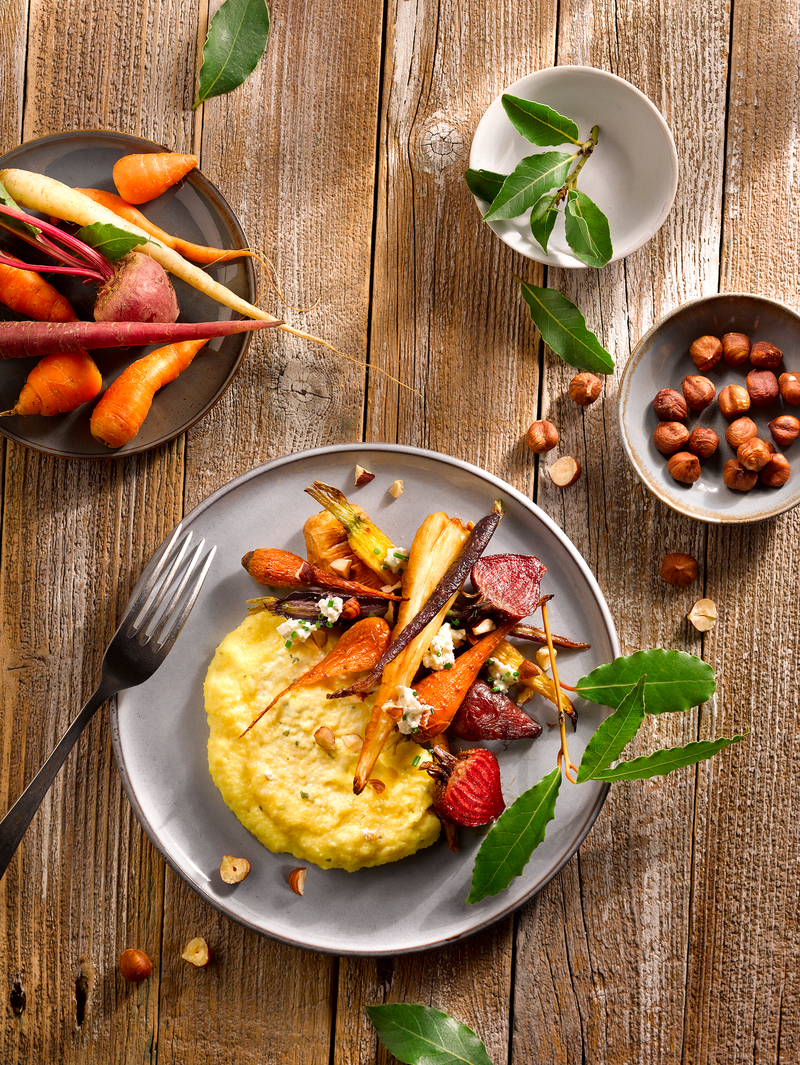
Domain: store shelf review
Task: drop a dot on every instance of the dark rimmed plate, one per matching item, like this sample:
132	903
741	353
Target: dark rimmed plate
160	732
195	210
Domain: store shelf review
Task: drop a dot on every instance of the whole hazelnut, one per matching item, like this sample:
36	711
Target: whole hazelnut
698	392
763	387
740	430
670	405
733	401
735	348
679	569
135	965
670	437
702	442
753	454
706	352
584	389
765	355
789	385
776	472
784	429
684	467
542	436
737	477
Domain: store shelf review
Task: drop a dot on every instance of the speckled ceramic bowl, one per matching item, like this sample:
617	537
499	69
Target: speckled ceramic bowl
661	360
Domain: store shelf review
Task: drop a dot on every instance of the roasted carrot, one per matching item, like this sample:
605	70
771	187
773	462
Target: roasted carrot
275	568
140	178
123	407
358	648
196	252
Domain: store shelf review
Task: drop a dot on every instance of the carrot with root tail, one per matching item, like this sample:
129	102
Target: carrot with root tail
27	292
124	405
140	178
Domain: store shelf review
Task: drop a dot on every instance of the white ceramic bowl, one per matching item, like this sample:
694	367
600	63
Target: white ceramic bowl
632	174
661	360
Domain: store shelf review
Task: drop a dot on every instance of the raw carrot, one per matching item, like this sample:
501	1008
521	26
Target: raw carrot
21	339
123	407
140	178
196	252
27	292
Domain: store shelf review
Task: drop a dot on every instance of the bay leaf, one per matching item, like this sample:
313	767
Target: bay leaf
587	230
543	219
237	38
485	184
531	177
675	680
614	734
109	240
421	1035
539	123
563	327
664	761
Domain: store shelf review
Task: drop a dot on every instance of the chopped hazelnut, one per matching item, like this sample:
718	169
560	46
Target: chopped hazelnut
737	477
196	951
735	348
763	387
363	476
784	429
679	569
765	355
353	742
698	392
670	437
377	786
789	385
733	400
776	472
670	406
325	738
542	436
319	637
706	352
564	471
342	566
297	880
740	430
487	625
703	615
684	467
234	870
396	490
584	389
753	454
702	442
135	965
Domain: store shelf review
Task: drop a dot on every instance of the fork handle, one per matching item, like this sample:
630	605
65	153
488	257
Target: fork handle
15	823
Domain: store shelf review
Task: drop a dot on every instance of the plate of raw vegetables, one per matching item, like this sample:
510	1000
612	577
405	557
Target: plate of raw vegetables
160	732
193	210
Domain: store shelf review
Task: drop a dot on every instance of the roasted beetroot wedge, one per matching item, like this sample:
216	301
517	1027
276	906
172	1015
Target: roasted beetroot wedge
510	583
467	787
488	715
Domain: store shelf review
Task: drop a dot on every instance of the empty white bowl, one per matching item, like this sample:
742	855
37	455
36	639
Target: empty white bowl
632	174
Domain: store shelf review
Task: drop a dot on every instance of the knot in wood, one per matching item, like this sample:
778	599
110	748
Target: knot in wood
441	146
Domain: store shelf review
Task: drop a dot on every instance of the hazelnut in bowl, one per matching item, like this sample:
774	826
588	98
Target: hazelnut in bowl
735	359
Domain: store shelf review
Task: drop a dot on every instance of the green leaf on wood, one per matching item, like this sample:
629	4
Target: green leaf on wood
563	327
614	734
484	184
110	241
538	122
420	1035
515	835
531	177
237	38
587	230
662	762
543	218
675	680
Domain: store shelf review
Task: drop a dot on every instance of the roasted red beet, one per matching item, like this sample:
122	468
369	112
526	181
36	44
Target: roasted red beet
510	583
488	715
467	787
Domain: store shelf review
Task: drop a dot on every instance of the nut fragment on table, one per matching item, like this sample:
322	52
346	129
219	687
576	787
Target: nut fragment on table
196	951
234	870
733	400
684	467
584	388
765	355
564	471
679	568
789	385
541	436
740	430
670	406
735	348
706	352
737	477
702	442
396	489
703	615
763	387
698	392
785	429
297	880
135	965
776	472
363	476
670	437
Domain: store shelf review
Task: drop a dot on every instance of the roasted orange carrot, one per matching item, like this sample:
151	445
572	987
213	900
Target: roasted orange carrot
123	407
196	252
275	568
140	178
359	648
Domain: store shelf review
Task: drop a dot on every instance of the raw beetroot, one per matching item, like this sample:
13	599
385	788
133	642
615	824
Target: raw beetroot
488	715
139	290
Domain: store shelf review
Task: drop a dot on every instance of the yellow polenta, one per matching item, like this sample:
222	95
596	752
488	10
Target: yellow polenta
286	789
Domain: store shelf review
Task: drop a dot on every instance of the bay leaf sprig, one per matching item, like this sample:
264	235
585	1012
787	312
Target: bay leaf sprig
545	182
563	329
421	1035
237	38
652	682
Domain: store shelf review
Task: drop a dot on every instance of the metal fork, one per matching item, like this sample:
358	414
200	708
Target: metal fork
154	615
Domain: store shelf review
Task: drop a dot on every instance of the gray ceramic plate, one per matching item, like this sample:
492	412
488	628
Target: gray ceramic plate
632	175
195	210
160	731
661	360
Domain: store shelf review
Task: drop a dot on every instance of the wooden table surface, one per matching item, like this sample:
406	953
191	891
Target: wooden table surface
672	936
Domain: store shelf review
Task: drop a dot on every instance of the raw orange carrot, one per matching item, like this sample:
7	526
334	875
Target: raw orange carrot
27	292
123	407
140	178
196	252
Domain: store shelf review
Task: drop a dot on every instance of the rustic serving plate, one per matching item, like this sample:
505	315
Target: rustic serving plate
195	210
661	360
632	175
160	732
